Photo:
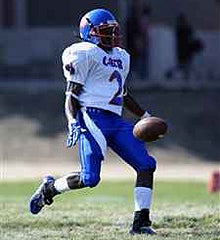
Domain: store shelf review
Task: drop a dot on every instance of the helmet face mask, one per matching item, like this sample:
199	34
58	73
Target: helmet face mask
101	28
109	35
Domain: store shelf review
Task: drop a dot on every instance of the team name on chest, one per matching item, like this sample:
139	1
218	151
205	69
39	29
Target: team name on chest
116	63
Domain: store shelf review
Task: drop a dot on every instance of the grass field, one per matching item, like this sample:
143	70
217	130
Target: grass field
181	210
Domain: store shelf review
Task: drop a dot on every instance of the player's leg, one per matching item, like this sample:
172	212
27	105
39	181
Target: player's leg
92	149
90	158
134	153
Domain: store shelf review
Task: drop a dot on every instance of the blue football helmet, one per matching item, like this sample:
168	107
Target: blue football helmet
100	27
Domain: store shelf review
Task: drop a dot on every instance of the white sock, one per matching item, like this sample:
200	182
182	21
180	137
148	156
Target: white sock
142	198
61	184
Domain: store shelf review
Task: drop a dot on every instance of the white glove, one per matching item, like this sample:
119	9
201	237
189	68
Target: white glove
73	134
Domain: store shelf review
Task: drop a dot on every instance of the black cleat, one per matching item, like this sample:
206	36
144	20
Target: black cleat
43	195
142	223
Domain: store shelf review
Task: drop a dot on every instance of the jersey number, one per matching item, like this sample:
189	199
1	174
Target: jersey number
117	99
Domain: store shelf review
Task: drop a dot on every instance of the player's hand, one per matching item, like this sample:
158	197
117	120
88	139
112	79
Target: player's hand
73	134
146	115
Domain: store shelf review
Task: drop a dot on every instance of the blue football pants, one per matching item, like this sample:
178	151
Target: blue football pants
110	130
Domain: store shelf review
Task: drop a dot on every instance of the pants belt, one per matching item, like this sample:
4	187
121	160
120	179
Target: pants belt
96	110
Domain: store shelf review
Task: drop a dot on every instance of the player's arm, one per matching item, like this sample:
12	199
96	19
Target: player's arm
131	105
75	69
73	90
71	108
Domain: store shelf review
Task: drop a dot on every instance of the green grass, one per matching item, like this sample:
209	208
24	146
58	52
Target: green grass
181	210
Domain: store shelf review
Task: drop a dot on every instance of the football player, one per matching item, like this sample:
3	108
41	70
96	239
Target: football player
95	70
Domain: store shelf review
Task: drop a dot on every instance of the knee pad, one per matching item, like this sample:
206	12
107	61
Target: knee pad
90	179
148	163
151	163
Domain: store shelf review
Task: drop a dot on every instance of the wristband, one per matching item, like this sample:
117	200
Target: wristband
146	114
72	121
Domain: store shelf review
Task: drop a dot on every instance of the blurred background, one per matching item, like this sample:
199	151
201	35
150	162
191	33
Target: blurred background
175	73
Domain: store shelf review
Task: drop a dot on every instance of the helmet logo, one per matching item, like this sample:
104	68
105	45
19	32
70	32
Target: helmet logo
83	22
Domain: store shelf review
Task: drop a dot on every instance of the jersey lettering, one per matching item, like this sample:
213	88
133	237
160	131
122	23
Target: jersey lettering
117	63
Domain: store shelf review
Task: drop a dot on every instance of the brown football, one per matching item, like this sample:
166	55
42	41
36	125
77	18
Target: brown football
150	129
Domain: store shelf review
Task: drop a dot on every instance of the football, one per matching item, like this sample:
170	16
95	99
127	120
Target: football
150	129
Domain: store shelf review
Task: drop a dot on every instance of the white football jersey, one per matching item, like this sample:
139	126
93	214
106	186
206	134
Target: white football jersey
102	74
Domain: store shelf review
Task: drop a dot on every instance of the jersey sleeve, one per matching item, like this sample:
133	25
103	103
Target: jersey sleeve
75	65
